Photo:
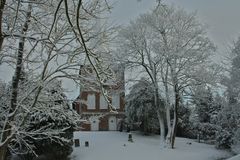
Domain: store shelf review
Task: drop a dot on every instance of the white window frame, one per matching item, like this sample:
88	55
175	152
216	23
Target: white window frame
116	100
91	101
103	102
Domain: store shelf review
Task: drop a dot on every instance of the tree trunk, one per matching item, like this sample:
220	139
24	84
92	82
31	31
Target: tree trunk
168	116
160	114
3	151
175	120
169	133
162	127
2	4
7	129
145	122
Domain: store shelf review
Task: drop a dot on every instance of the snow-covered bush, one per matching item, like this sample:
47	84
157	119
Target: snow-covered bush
45	128
139	107
53	115
207	131
223	139
229	117
228	120
184	126
236	142
56	139
206	106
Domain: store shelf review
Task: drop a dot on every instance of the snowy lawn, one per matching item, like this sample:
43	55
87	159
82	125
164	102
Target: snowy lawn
237	157
114	146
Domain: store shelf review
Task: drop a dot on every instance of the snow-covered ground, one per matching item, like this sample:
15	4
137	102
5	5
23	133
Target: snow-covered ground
237	157
115	146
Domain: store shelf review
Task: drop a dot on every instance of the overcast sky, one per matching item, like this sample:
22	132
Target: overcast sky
221	16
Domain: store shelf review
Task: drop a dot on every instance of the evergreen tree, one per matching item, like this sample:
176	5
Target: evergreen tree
139	106
48	127
203	100
229	117
206	111
184	125
234	80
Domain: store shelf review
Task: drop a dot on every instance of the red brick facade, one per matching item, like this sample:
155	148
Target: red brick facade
106	120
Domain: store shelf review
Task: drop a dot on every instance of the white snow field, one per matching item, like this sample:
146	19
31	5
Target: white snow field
237	157
115	146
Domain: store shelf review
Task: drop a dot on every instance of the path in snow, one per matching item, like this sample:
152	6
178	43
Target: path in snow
114	146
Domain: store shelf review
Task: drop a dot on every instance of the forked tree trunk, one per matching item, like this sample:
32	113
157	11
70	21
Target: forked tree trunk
168	116
165	75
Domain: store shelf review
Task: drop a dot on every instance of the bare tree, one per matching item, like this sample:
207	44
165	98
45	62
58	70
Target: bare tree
137	51
53	37
172	47
185	48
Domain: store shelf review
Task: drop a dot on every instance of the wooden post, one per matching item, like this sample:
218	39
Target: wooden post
86	144
130	139
198	137
76	142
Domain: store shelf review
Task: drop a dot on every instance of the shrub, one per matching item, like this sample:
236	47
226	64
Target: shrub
236	142
207	131
224	139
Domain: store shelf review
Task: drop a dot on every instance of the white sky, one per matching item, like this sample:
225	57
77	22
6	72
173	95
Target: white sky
221	16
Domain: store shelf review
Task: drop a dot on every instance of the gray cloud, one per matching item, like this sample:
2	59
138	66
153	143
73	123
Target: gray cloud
222	17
